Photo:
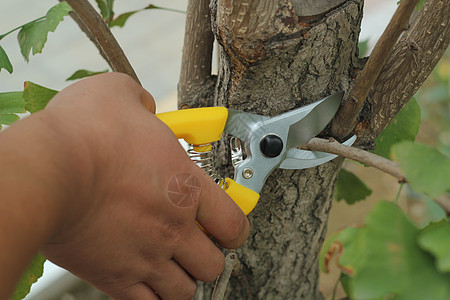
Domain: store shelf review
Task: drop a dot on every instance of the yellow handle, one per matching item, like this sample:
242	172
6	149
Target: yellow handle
201	126
244	197
197	126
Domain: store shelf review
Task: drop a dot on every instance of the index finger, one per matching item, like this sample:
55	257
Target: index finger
221	216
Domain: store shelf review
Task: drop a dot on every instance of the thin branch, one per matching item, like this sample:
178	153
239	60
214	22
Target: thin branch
93	25
368	158
365	157
222	282
345	119
413	59
196	84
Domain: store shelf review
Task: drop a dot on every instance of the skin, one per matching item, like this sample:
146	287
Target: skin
85	182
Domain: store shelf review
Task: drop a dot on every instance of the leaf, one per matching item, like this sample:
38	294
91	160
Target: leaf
383	260
11	103
36	97
84	73
5	63
436	239
123	18
106	8
350	188
404	127
34	35
363	46
31	275
426	169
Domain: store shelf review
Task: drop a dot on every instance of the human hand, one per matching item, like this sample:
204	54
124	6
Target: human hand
130	227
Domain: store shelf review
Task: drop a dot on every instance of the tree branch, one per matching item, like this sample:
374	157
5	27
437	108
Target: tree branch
222	282
196	85
345	119
365	157
368	158
411	62
98	32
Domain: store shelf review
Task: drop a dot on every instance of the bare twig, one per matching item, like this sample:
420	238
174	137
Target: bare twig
365	157
196	84
345	119
222	282
96	29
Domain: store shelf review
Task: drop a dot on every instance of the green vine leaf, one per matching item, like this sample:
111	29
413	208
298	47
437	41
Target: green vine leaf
350	188
383	260
34	35
84	73
11	104
5	63
404	127
426	169
123	18
36	96
31	275
436	239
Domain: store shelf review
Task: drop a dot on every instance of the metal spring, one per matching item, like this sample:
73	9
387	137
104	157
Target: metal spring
204	160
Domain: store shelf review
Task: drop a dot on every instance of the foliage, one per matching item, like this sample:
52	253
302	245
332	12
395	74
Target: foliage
11	104
33	36
36	97
31	275
404	127
84	73
426	169
385	260
350	188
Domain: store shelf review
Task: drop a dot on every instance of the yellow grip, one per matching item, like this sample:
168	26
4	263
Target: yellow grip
244	197
197	126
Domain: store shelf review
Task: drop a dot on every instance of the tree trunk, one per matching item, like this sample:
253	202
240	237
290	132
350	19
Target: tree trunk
275	58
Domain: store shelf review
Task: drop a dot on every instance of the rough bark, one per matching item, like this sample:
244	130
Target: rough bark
412	60
272	61
196	86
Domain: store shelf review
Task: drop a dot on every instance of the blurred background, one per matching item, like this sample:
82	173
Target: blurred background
153	41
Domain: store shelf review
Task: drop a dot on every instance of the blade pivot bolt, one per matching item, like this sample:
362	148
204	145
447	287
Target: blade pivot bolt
247	173
271	145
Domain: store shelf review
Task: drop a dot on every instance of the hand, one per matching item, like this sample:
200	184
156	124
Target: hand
130	226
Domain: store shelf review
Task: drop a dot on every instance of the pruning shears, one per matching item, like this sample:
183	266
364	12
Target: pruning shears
259	144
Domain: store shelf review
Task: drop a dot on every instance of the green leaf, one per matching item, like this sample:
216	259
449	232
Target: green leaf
36	97
350	188
404	127
34	35
84	73
31	275
383	259
363	46
5	63
106	8
436	239
11	103
123	18
426	169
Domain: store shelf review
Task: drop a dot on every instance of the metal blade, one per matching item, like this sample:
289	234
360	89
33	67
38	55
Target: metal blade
302	159
314	122
240	124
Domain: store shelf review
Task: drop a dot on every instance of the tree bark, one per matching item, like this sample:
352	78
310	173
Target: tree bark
271	61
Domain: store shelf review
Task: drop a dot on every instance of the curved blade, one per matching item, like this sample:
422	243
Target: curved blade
239	123
302	159
314	122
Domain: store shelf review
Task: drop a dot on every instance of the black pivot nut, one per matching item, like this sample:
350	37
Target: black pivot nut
271	145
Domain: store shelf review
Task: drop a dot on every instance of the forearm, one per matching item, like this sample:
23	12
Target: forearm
32	195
